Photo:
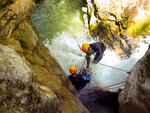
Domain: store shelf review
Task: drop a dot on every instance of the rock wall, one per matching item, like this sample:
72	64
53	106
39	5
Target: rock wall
13	12
30	79
117	22
18	91
13	66
135	97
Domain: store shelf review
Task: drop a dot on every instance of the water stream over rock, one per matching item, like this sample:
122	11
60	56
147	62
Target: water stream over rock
61	29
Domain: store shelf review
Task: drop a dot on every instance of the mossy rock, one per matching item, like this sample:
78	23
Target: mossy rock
140	29
34	59
12	43
25	35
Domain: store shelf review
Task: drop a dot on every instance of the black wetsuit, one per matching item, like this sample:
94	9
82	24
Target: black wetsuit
79	81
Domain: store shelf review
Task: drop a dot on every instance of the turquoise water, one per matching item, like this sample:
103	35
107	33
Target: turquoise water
53	17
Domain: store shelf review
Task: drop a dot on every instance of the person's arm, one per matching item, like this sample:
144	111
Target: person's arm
88	57
85	80
88	60
98	55
88	78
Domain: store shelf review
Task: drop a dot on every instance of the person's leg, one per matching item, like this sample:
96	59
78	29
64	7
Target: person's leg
88	61
83	85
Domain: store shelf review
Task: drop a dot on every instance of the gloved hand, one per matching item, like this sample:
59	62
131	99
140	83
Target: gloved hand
86	56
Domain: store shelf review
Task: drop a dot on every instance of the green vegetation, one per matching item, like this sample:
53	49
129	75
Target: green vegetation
140	29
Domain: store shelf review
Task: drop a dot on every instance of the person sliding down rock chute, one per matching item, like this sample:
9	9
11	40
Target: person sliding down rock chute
97	49
79	80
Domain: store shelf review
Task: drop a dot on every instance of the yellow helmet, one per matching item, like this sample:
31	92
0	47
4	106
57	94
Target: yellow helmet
73	69
85	47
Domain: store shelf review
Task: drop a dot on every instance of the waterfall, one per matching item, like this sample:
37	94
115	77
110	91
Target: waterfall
56	16
60	26
64	48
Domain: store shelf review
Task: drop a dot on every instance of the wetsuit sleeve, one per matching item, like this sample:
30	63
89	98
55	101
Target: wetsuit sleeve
86	78
98	55
89	78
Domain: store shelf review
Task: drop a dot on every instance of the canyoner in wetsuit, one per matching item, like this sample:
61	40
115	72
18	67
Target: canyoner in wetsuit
79	80
97	49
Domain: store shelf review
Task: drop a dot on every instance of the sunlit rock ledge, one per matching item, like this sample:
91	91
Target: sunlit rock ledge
118	23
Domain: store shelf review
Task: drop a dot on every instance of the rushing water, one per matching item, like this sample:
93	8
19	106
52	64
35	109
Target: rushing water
66	51
53	17
60	25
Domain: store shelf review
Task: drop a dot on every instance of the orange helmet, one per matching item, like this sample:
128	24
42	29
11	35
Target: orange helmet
73	69
85	47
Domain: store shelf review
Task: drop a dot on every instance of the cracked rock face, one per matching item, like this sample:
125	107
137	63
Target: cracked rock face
135	97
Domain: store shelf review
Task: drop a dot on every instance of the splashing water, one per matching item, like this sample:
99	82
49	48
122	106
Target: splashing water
56	16
67	52
53	17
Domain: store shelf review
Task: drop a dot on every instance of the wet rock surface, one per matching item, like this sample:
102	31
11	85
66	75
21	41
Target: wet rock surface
13	66
12	12
31	81
46	88
135	97
19	89
116	23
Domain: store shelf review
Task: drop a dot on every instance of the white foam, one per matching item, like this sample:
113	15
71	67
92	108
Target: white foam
67	52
